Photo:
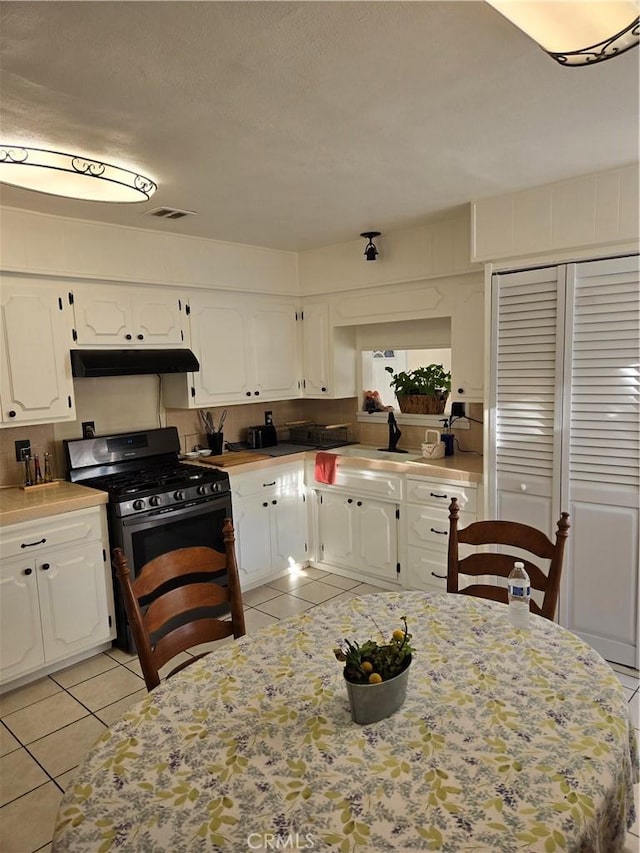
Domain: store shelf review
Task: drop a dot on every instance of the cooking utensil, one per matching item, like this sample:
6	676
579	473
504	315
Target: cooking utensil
223	417
206	420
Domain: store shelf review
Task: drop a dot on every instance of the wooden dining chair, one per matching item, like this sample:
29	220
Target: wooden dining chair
176	601
511	534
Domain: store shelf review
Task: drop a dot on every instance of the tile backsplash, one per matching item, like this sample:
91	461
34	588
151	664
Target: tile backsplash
120	404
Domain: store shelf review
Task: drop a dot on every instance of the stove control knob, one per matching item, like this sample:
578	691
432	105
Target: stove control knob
215	487
179	495
154	500
202	490
138	504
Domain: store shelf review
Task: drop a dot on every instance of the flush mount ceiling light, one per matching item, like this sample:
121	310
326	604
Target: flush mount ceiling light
576	33
370	250
55	173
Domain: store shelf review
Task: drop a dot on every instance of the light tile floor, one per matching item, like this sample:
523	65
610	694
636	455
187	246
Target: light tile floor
47	726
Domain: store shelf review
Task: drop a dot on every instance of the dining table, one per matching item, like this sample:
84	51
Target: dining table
508	739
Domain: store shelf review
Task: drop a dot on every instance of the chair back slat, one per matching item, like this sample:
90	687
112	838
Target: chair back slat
521	537
183	604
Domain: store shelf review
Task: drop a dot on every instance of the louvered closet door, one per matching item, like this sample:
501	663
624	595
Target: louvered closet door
528	312
601	450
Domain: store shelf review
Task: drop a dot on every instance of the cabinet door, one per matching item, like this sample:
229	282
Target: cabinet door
288	531
35	375
337	530
103	316
73	600
527	369
467	345
21	649
315	351
157	318
378	539
601	456
218	337
273	347
252	524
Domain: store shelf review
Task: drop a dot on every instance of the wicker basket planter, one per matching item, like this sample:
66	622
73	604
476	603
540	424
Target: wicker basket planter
421	404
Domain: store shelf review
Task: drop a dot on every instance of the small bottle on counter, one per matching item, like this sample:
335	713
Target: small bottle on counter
28	476
37	473
519	596
48	476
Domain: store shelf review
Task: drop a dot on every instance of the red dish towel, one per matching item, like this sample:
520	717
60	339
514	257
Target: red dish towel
326	464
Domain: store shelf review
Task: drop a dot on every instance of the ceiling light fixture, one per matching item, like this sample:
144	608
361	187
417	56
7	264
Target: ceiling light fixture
370	250
576	33
71	176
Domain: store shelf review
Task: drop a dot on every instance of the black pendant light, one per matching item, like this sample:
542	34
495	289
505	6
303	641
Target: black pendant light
370	251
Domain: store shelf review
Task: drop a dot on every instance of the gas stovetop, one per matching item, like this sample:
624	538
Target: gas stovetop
141	471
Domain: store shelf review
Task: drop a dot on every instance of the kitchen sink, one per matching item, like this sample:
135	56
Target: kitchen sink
365	452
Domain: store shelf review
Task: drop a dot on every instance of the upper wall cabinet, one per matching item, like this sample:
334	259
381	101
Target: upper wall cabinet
35	374
328	355
247	349
113	316
467	345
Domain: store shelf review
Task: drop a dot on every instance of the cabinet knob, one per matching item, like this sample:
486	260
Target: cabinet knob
127	337
140	337
274	502
323	389
265	503
523	487
460	390
256	393
349	500
12	414
248	393
27	571
359	503
45	567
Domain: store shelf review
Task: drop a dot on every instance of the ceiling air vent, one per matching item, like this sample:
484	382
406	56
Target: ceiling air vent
169	213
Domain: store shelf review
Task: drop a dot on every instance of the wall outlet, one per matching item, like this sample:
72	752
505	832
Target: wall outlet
457	410
268	418
23	449
88	429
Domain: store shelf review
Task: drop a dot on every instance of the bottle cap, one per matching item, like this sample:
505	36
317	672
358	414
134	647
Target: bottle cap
518	565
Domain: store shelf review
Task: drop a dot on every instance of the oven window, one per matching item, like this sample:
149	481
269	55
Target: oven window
178	531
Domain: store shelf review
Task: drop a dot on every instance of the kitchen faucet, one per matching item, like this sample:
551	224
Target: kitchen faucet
394	435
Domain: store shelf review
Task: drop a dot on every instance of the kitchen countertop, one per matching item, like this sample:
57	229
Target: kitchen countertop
17	505
467	467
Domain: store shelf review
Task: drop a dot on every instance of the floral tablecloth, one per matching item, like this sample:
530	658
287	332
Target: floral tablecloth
508	740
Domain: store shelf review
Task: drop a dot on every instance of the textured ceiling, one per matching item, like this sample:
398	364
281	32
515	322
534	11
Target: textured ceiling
301	124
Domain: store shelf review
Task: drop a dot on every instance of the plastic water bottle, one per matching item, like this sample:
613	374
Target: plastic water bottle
519	596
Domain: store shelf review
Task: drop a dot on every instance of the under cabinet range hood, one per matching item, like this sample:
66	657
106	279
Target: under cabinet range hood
131	362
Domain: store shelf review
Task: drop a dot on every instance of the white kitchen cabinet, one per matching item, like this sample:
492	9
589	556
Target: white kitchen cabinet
358	533
328	355
114	316
247	348
56	593
36	385
270	522
427	528
467	345
565	433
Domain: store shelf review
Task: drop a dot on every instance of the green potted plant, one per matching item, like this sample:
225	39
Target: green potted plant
376	674
422	391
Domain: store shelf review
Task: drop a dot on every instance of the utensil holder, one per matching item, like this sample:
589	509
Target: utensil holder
215	440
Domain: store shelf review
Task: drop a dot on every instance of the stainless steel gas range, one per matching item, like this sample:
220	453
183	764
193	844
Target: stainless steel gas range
156	503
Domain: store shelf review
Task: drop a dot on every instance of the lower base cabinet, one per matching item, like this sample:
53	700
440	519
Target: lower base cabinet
270	522
56	597
358	533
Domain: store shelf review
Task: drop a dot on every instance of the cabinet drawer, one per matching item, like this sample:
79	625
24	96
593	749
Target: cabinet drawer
426	569
365	483
438	493
428	528
35	536
279	479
